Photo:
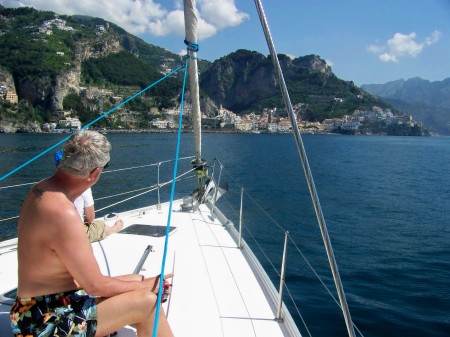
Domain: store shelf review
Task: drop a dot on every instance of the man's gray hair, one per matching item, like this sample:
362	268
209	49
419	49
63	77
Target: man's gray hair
85	151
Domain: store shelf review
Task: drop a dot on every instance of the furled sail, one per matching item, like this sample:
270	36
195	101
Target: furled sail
190	23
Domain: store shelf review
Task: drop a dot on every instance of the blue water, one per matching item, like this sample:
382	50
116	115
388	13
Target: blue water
385	202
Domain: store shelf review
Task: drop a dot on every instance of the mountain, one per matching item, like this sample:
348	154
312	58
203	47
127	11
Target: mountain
244	81
48	55
428	102
59	64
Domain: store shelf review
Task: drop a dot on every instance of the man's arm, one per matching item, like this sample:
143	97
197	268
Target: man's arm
89	209
75	252
89	214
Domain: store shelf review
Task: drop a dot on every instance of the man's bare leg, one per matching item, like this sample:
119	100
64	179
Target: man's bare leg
118	225
135	307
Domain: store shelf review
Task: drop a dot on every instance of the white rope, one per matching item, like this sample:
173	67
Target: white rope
142	166
12	218
123	193
11	186
150	190
107	171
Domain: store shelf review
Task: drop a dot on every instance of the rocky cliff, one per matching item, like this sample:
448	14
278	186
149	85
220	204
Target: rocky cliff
239	79
14	126
245	80
49	91
42	60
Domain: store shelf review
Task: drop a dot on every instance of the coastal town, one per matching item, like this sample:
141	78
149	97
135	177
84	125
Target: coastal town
372	121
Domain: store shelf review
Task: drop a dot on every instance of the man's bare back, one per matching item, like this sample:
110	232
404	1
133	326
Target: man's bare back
55	256
49	217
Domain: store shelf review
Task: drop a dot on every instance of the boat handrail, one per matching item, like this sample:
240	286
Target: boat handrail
110	171
148	188
151	189
283	232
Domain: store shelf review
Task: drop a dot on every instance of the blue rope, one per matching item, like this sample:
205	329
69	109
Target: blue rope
194	47
172	193
89	124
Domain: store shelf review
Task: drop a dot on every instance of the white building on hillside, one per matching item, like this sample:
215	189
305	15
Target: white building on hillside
73	123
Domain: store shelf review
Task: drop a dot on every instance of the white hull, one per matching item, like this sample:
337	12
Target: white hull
218	289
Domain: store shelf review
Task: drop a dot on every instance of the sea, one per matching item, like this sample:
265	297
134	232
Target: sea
385	201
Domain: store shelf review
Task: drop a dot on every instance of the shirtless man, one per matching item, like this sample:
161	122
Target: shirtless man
61	289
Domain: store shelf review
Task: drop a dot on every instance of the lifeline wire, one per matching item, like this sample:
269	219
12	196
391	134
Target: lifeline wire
172	193
89	124
307	170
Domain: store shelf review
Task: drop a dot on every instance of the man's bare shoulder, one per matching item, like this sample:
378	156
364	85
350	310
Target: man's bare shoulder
46	206
43	196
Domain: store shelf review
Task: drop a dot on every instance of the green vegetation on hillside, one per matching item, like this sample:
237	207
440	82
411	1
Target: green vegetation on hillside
310	82
111	69
36	51
28	53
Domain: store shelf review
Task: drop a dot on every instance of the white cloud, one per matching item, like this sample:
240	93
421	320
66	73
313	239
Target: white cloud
375	49
146	16
401	45
291	56
221	13
433	38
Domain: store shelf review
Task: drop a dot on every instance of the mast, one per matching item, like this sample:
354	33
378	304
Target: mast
190	25
307	169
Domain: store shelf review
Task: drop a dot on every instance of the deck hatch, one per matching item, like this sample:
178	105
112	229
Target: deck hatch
147	230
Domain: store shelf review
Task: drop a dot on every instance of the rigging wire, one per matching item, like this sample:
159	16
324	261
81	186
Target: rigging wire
7	219
19	185
181	177
172	193
307	170
107	171
152	188
89	124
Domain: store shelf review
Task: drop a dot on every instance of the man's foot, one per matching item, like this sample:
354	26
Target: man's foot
118	225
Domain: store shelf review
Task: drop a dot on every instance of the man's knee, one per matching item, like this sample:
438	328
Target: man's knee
146	298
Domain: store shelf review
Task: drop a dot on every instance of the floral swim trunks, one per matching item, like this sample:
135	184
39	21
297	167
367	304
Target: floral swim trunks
72	313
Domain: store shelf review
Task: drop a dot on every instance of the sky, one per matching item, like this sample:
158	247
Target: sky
364	41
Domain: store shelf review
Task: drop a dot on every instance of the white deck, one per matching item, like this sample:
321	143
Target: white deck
215	291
